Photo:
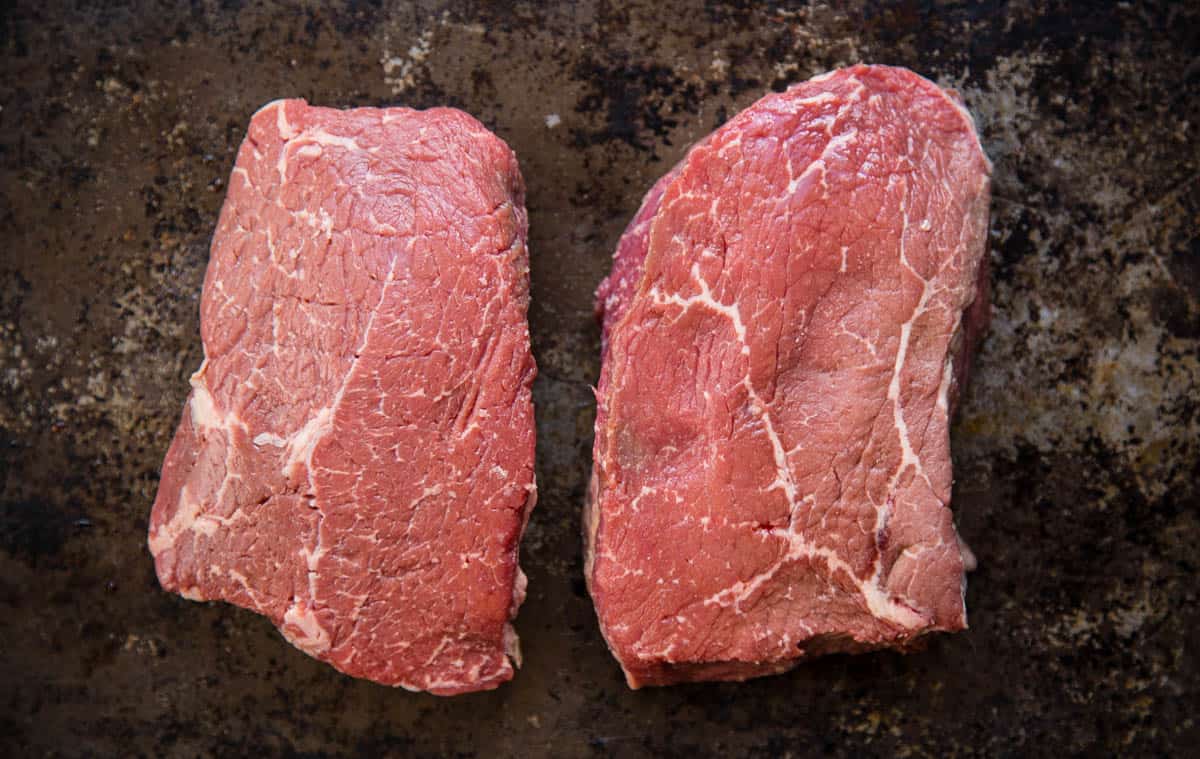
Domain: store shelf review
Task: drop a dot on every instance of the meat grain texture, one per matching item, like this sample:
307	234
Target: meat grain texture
786	329
355	460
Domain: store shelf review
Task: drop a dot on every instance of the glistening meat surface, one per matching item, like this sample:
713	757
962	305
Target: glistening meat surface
355	460
787	326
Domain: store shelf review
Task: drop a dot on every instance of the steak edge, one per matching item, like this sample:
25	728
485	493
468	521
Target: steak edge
786	329
355	460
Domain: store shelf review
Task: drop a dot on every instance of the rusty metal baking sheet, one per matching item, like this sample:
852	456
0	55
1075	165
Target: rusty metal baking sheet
1077	450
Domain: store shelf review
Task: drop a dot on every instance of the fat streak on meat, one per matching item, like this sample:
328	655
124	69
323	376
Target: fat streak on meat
786	330
355	459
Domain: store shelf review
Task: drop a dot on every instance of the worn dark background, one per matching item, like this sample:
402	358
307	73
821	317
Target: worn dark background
1077	450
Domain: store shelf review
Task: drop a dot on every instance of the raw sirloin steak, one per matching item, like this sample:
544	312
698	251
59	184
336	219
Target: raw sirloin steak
786	330
355	460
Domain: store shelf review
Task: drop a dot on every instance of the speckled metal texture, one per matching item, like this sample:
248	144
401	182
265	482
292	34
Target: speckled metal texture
1077	448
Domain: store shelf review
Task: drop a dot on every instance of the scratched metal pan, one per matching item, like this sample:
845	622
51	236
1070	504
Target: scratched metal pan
1075	450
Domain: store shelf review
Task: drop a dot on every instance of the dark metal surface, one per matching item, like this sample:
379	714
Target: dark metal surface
1077	450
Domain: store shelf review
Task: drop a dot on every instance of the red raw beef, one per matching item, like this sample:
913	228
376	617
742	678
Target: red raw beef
787	326
356	458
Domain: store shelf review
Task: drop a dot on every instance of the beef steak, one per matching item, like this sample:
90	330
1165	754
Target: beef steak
786	327
355	460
